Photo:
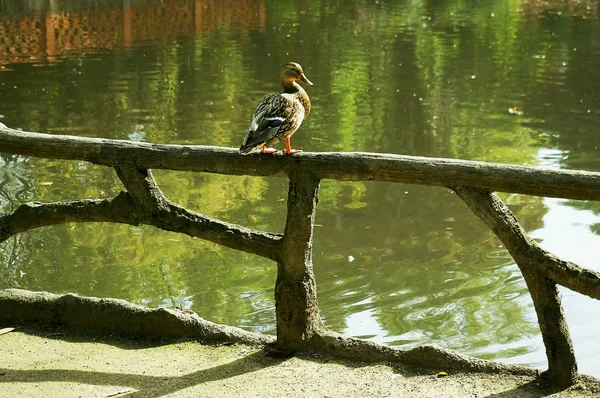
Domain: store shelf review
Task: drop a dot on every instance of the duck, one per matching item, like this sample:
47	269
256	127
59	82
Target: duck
278	115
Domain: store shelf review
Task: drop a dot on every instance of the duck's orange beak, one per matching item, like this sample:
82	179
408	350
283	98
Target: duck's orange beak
305	80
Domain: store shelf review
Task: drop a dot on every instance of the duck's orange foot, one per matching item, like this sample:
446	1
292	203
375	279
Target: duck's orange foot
288	148
268	150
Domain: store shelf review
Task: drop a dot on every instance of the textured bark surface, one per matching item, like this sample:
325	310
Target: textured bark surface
33	215
119	317
298	321
141	185
144	203
296	306
114	316
426	356
562	366
348	166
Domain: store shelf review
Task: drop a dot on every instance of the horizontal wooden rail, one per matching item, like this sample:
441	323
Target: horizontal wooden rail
347	166
297	313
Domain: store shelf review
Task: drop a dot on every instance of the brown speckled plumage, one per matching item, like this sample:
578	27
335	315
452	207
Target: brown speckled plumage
278	115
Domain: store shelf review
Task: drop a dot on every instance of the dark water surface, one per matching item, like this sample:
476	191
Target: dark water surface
397	264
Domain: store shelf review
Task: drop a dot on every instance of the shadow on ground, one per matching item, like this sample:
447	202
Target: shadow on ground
146	386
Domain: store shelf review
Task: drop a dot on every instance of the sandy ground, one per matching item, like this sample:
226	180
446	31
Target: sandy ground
64	365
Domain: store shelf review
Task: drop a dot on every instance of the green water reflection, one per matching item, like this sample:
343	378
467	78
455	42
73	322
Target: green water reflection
395	263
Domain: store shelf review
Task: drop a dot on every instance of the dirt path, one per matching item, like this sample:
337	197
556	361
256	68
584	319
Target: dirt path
57	365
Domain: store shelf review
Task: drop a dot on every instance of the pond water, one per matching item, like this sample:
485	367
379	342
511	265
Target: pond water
397	264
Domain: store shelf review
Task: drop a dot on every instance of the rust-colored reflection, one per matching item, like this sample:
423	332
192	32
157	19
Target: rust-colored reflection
46	36
573	7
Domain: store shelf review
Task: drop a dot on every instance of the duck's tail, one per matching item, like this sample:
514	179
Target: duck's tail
245	149
248	145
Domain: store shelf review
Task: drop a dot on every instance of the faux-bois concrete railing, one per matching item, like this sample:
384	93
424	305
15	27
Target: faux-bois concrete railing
297	314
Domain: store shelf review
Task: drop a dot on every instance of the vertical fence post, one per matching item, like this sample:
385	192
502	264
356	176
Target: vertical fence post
562	365
296	305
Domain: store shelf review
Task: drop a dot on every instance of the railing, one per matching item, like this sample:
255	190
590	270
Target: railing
297	311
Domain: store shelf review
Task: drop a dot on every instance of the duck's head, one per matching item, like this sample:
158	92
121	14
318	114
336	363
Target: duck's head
293	72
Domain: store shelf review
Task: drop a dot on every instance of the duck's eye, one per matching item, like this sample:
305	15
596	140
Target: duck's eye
275	123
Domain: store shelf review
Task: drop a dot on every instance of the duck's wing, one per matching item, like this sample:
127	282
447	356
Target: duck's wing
269	116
